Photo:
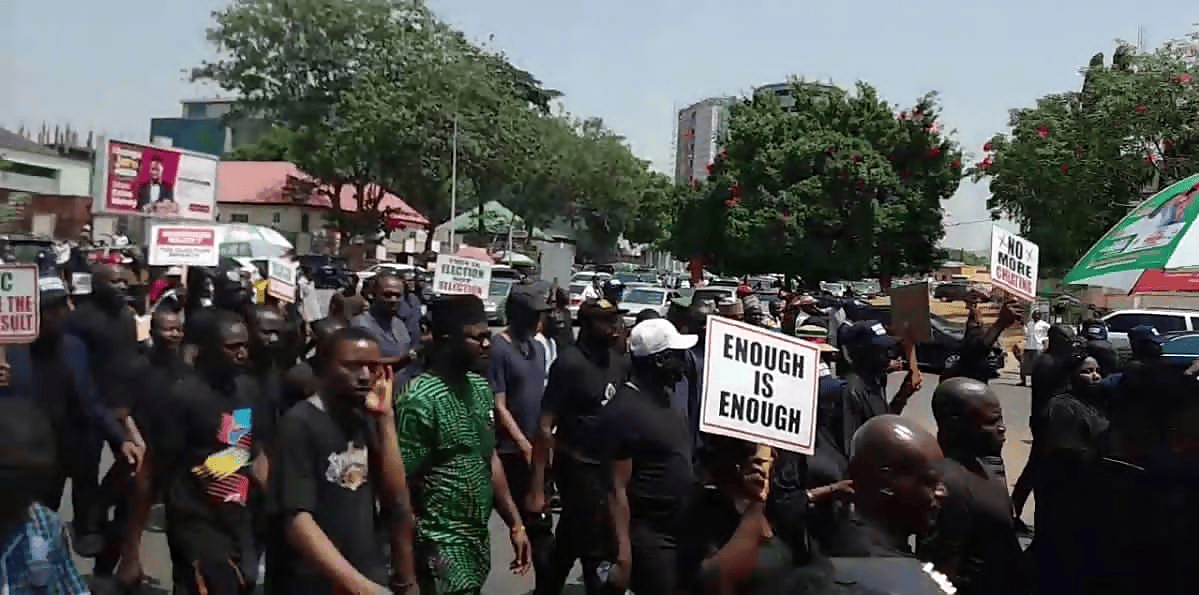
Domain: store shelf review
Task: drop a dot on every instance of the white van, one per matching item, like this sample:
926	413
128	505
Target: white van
1165	321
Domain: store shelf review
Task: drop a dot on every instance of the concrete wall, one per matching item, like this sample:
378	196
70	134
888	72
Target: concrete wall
73	177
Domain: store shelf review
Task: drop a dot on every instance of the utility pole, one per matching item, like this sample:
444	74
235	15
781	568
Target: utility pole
453	183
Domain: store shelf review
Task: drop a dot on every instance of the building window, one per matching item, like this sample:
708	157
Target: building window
239	218
303	222
195	110
28	169
277	218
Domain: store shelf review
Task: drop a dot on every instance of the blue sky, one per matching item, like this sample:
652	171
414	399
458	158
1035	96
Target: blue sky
111	66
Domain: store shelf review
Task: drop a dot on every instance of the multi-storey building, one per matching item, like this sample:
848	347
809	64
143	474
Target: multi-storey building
700	130
206	128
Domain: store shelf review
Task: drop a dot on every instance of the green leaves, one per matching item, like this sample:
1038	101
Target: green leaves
1074	164
369	92
837	185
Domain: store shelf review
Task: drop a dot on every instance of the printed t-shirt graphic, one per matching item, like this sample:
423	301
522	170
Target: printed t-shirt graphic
348	469
222	470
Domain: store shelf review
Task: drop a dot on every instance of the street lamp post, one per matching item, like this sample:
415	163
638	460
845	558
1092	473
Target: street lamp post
453	182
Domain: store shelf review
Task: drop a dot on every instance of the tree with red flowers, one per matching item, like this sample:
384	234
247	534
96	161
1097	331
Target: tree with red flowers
1072	166
835	186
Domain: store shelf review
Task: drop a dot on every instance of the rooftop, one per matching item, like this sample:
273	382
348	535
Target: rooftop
263	182
15	142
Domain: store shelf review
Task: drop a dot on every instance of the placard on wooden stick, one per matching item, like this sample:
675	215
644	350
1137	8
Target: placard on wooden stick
759	386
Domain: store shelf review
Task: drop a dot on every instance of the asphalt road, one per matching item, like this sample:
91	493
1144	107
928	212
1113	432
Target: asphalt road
1015	401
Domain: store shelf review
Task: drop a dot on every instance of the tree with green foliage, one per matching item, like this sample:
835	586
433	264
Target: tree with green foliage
1073	165
835	185
276	144
368	94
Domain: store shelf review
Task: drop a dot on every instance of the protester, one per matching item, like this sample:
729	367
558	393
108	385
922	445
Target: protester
691	317
36	557
651	449
383	321
517	373
873	354
1051	375
210	461
974	542
1036	340
338	459
581	384
447	437
896	467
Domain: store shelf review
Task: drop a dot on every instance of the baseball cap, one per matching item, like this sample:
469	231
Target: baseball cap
815	334
600	308
51	288
655	336
527	297
863	332
1145	333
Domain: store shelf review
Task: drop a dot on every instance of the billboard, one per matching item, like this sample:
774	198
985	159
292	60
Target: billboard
148	180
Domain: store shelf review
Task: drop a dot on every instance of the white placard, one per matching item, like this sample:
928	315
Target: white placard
281	280
1014	264
455	275
183	245
759	386
19	309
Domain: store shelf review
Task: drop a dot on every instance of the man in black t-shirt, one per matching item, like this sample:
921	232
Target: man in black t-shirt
581	382
650	449
339	457
210	461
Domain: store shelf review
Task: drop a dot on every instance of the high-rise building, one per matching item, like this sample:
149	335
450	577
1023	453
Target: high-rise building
206	128
700	132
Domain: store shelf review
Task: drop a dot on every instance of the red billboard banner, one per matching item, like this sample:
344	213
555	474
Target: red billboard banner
158	181
1155	280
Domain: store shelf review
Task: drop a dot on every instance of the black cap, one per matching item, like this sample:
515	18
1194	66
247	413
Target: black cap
865	332
449	313
529	298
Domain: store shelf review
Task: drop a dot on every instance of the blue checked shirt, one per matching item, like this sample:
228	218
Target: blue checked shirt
36	558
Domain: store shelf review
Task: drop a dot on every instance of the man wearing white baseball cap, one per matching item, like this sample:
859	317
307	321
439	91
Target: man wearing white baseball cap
650	447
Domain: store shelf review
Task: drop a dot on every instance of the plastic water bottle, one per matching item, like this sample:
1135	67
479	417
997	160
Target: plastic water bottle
604	571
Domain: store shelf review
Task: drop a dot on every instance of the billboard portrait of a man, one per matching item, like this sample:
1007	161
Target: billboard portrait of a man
155	190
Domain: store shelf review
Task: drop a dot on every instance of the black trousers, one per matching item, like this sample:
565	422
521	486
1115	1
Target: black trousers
539	528
583	528
655	560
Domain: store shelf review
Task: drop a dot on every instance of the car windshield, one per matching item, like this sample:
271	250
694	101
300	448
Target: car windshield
712	294
577	288
499	288
650	297
625	277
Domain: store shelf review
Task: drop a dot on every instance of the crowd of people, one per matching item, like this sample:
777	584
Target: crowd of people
366	452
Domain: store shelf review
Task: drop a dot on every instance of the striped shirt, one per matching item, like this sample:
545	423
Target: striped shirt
36	558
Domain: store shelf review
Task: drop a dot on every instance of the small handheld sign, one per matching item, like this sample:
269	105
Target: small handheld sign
1014	264
455	275
19	314
759	386
282	279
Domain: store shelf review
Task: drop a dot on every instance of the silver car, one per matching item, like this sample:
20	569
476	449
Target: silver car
640	298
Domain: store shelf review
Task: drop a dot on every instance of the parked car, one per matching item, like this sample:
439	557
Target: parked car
496	300
715	293
1181	350
575	291
328	272
639	299
952	292
1165	321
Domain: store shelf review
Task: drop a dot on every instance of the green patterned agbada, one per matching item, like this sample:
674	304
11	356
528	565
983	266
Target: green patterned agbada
447	440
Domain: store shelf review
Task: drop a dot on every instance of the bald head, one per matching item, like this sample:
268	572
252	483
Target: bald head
890	441
896	468
955	396
969	418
